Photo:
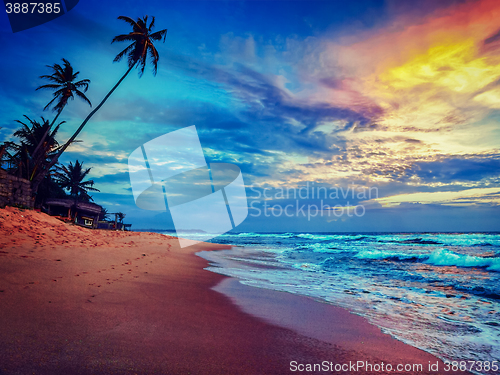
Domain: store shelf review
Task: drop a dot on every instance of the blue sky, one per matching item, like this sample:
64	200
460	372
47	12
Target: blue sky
383	94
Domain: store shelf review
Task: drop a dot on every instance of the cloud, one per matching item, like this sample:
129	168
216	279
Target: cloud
459	169
464	197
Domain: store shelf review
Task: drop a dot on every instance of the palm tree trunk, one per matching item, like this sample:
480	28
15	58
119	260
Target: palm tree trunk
46	132
40	177
55	118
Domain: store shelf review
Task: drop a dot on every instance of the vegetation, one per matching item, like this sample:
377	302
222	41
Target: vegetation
64	86
35	154
71	178
104	215
34	150
137	54
120	216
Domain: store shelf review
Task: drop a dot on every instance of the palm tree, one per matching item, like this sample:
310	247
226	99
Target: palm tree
64	83
137	54
30	157
120	216
35	150
71	178
104	215
142	44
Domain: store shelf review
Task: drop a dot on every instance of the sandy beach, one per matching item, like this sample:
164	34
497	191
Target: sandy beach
80	301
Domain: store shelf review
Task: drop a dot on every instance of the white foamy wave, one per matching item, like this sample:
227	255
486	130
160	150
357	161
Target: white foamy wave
307	266
308	236
436	258
449	258
249	234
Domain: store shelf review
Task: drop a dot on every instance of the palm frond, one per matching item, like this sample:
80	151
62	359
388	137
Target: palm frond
159	35
83	97
124	52
129	20
142	47
52	87
83	83
63	79
133	37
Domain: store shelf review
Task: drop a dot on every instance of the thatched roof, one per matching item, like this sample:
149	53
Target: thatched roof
80	206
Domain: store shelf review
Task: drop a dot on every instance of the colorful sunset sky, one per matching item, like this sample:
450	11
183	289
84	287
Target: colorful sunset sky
403	96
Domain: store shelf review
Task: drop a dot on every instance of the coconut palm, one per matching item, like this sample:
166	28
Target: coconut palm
142	43
71	178
142	38
30	156
65	86
120	216
104	215
137	53
37	145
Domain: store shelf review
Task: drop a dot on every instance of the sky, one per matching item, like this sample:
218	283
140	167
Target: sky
396	98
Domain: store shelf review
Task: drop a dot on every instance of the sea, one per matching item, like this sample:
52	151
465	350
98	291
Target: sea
439	292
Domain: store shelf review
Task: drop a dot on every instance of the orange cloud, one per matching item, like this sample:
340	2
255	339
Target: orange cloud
435	80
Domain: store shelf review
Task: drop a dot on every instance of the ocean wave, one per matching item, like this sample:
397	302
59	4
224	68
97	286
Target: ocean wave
265	235
483	244
450	258
248	234
402	282
420	241
309	236
360	238
390	255
417	241
437	258
329	263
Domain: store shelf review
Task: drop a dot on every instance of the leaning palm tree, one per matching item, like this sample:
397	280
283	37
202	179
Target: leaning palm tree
71	178
142	38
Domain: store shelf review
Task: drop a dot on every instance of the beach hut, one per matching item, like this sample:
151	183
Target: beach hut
85	214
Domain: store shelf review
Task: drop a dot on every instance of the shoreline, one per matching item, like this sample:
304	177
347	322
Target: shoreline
325	322
80	301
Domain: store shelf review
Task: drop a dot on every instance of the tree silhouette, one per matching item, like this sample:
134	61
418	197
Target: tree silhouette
31	155
137	54
65	86
35	149
104	215
120	216
71	178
